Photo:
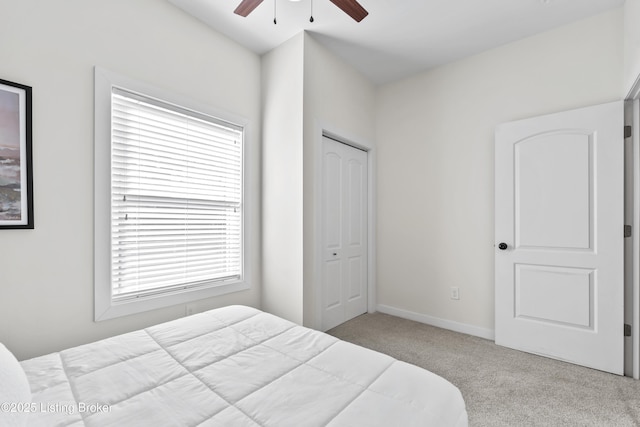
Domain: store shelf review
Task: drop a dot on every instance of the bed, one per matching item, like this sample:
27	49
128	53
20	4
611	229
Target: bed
233	366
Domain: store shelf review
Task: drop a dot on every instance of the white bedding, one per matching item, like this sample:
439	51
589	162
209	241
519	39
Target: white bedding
235	366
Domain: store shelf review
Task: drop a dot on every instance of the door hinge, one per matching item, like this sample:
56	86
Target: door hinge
627	330
627	131
627	230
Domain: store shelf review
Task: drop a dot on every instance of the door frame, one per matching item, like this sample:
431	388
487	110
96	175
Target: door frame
322	130
632	195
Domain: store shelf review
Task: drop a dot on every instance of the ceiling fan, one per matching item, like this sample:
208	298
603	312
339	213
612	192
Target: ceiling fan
350	7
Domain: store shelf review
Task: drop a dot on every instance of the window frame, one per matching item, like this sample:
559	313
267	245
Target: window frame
105	306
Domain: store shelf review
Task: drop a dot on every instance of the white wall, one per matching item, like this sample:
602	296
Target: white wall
339	99
435	203
282	104
46	274
631	43
436	159
305	88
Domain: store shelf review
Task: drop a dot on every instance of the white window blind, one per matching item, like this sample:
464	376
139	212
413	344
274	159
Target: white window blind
176	206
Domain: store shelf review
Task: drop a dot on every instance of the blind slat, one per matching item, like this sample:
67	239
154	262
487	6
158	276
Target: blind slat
176	215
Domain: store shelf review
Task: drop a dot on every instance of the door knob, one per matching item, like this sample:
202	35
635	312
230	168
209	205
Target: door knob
502	246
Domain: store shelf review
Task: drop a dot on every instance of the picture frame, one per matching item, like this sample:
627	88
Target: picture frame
16	175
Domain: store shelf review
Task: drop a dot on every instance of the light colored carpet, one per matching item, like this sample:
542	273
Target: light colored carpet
502	387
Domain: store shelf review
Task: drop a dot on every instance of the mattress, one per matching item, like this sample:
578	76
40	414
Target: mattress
234	366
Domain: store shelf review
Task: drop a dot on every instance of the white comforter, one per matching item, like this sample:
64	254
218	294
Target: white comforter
235	366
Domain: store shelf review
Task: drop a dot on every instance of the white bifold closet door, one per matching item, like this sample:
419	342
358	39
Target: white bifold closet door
344	233
559	236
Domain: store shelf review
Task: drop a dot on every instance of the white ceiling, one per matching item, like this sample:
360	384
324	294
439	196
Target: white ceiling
399	37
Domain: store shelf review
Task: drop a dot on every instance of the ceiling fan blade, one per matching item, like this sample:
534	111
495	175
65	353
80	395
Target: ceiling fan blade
351	8
246	7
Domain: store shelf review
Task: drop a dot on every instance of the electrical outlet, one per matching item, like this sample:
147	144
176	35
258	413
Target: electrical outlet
189	309
455	292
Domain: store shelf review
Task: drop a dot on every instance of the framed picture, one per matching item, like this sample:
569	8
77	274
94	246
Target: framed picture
16	177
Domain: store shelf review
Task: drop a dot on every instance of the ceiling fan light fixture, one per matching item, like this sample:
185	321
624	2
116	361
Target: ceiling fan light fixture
350	7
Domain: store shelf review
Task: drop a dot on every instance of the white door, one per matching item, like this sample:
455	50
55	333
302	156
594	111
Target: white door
559	236
344	233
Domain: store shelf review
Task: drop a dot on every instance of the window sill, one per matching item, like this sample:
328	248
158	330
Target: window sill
106	308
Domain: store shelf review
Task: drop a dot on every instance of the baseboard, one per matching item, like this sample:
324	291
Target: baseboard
464	328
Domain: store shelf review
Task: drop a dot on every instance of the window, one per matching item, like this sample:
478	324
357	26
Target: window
175	201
